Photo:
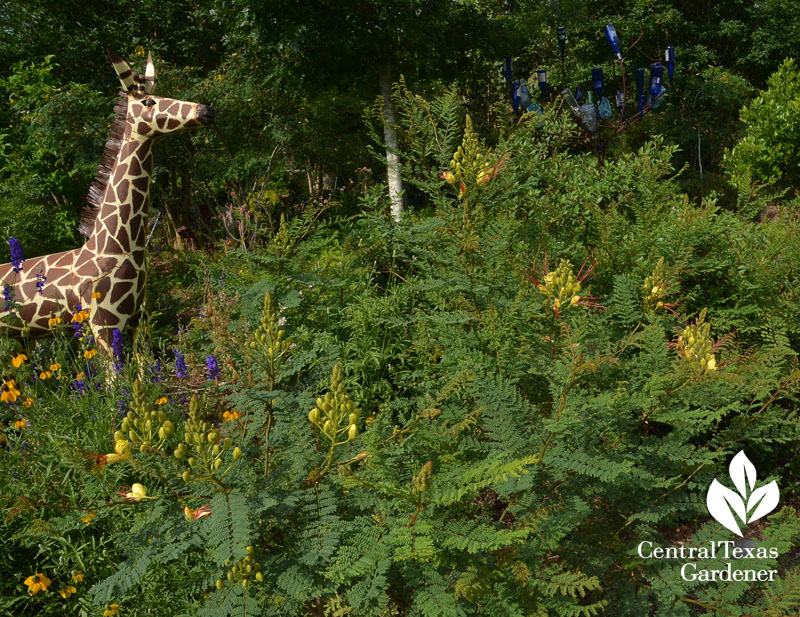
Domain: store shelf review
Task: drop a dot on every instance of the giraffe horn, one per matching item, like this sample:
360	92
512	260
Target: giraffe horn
122	69
150	75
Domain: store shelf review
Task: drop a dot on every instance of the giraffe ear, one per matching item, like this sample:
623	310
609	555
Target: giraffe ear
123	70
150	75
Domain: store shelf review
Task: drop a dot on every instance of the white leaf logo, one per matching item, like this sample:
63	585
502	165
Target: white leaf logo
723	503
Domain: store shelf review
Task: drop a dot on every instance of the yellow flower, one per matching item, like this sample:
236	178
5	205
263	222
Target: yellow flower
90	353
137	492
96	295
19	360
80	316
27	403
193	515
113	609
45	375
54	321
67	590
78	576
10	391
86	519
36	583
230	416
55	366
122	452
80	376
20	424
161	401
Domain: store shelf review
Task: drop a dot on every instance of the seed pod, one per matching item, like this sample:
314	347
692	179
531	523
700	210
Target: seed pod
259	577
352	418
220	584
162	416
119	436
250	550
237	453
186	475
216	450
192	460
245	582
326	428
178	453
218	463
230	576
169	427
227	443
162	434
352	431
313	415
253	345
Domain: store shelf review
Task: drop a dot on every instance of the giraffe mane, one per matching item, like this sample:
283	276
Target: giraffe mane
94	198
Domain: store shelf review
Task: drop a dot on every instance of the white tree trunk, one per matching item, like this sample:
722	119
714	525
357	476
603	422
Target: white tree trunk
394	180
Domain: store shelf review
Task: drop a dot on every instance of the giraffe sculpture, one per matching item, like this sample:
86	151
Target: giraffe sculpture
105	276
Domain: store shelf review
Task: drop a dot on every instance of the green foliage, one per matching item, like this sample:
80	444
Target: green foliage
769	148
481	410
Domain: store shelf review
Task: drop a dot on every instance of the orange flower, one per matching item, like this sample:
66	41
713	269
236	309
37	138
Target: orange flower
230	416
55	366
45	375
90	353
9	391
161	401
36	583
54	321
80	316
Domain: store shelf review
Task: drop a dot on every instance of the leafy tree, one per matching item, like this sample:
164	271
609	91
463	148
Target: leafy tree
770	148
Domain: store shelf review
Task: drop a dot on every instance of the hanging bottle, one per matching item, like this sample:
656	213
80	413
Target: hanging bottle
541	75
656	76
669	58
562	40
621	103
613	40
569	99
597	81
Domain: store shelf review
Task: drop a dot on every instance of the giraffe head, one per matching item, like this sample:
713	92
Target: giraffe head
150	116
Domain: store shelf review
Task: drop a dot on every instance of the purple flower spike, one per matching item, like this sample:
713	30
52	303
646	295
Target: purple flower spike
40	280
16	255
118	349
212	369
181	372
8	296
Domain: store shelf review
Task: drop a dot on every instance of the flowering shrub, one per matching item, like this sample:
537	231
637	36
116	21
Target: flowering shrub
440	424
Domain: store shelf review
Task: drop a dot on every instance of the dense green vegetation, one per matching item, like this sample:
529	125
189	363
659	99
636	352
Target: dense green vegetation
481	409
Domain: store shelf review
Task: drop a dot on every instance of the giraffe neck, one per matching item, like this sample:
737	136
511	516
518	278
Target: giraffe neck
120	226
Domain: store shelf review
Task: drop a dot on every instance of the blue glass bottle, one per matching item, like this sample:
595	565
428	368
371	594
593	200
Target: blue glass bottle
613	40
541	75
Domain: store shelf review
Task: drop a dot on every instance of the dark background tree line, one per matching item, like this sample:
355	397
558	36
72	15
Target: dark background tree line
291	81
